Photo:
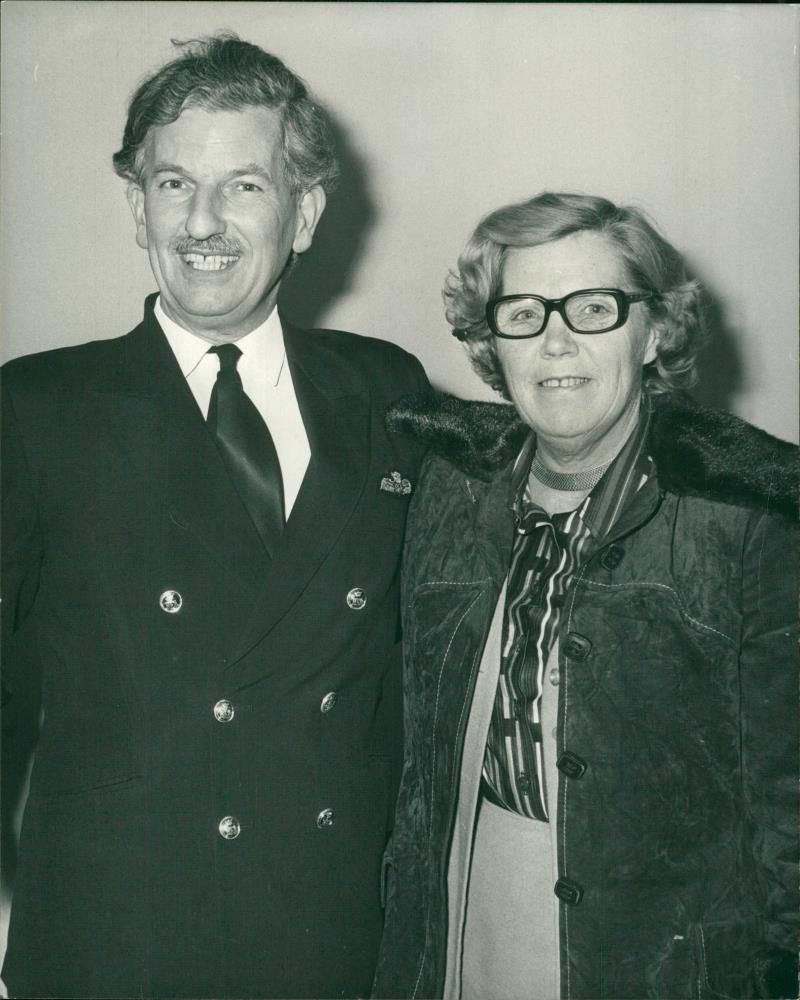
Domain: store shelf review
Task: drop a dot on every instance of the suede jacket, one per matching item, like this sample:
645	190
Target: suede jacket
678	710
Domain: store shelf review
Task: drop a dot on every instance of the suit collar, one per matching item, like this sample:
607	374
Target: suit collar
307	355
154	417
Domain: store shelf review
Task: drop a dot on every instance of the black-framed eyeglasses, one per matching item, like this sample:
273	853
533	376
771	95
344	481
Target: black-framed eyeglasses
589	310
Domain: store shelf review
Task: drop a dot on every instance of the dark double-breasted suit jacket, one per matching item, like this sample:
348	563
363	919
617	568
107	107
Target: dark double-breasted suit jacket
214	780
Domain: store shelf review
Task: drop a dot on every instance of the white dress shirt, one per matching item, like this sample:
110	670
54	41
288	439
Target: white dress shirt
266	379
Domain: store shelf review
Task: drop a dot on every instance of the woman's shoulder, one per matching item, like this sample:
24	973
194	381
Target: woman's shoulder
698	451
715	455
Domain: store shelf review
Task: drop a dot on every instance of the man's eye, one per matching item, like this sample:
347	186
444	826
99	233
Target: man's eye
247	186
172	184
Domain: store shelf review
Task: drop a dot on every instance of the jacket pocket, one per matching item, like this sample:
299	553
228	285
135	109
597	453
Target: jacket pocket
386	872
726	959
51	782
405	937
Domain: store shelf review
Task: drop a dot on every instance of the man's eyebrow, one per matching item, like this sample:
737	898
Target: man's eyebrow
251	168
257	169
168	168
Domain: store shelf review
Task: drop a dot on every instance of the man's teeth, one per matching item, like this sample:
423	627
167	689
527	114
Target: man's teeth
209	262
562	383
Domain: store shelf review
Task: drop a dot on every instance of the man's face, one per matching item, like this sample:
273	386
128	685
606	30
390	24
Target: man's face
218	218
580	392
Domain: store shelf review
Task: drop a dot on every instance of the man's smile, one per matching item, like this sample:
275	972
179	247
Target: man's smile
208	262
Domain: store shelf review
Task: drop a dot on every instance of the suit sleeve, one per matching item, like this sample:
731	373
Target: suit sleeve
21	676
769	741
21	534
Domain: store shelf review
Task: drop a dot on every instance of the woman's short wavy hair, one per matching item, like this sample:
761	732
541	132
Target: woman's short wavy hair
653	265
223	73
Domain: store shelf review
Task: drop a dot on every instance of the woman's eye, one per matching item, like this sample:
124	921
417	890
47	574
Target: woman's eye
595	309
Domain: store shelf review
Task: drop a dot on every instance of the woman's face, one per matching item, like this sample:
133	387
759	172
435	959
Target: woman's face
579	392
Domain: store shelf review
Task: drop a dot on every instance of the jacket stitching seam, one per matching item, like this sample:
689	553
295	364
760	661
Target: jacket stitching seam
662	586
563	816
703	974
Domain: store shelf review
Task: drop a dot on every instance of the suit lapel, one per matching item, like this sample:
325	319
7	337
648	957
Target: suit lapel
337	421
153	417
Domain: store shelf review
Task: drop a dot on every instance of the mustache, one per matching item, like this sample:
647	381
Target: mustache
214	245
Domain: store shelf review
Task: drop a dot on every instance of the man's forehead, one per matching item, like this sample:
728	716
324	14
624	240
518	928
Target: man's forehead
238	139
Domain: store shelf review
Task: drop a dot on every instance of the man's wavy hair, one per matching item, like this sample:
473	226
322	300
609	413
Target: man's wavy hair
652	265
223	73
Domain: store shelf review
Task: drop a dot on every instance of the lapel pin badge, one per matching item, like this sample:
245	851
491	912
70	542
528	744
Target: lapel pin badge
395	483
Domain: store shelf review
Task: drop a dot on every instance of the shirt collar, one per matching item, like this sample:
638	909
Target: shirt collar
263	346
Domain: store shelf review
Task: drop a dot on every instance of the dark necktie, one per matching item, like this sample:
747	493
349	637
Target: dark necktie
246	446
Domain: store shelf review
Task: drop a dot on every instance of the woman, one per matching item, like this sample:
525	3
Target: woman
599	599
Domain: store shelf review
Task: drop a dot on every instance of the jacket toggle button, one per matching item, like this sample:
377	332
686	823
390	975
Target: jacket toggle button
612	557
356	599
577	646
325	818
224	710
568	891
171	602
229	827
571	764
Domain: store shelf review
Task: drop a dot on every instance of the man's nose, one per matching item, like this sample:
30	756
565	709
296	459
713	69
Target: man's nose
557	339
206	217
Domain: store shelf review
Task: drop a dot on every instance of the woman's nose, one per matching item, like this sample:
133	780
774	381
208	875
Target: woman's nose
557	339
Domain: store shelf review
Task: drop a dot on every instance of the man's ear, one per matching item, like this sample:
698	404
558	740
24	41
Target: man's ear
309	212
136	201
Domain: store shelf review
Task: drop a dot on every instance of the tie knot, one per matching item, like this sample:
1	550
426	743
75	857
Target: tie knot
228	355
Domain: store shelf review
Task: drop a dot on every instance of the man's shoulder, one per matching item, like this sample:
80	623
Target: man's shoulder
357	345
360	361
61	365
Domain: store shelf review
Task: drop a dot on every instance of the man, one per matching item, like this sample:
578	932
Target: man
203	522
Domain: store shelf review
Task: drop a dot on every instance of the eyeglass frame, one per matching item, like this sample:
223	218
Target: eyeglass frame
623	300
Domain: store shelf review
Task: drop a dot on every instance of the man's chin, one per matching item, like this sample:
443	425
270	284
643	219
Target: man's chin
213	316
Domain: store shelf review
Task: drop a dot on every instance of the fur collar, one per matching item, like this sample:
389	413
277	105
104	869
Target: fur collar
697	451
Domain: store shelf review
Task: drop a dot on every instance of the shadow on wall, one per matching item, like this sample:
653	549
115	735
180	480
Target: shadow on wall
719	364
325	271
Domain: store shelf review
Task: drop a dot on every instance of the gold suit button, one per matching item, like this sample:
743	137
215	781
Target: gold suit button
229	827
356	599
328	701
171	602
223	710
325	818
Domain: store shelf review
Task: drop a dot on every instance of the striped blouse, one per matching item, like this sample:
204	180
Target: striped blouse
547	553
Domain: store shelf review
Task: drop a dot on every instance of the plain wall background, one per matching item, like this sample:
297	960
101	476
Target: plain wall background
446	111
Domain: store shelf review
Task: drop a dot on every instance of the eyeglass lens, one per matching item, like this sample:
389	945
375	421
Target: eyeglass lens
586	311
